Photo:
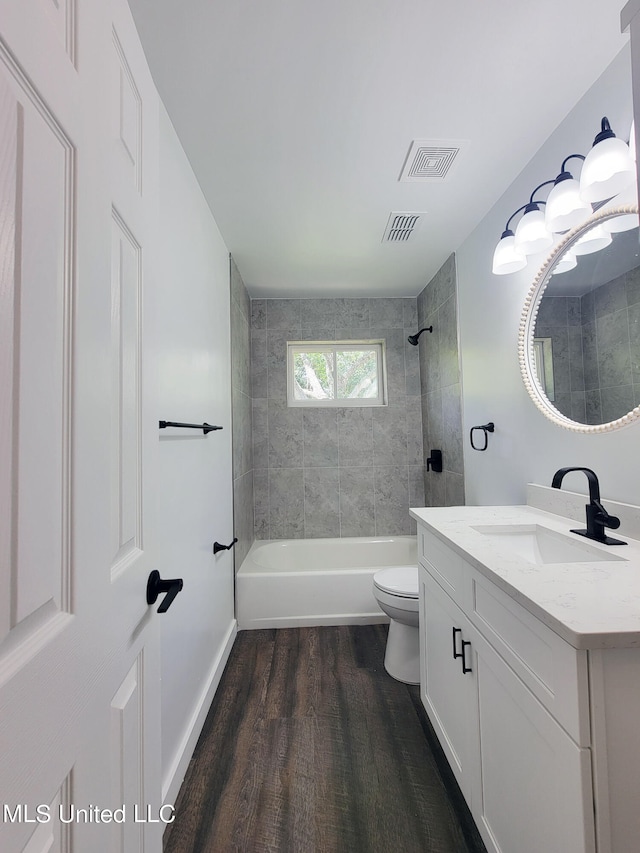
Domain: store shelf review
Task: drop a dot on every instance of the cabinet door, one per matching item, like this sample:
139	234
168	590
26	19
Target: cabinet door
536	782
448	693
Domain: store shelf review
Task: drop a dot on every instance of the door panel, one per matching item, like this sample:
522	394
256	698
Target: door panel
135	706
38	271
51	636
79	647
62	14
126	340
126	765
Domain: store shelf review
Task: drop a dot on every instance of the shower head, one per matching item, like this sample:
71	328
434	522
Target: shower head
413	339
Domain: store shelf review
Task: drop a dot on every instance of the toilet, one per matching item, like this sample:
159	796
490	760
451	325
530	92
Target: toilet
396	591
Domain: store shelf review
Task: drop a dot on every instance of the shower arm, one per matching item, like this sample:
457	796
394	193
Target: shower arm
413	339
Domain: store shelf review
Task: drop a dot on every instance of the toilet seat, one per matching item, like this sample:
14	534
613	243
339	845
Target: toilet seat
401	581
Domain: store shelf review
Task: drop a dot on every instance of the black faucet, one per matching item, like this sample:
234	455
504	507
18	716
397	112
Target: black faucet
597	516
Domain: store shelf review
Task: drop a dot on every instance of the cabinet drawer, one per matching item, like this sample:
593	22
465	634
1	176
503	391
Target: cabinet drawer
450	570
554	671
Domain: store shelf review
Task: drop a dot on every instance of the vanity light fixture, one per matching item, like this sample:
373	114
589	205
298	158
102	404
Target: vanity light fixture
531	234
608	168
507	258
608	175
565	207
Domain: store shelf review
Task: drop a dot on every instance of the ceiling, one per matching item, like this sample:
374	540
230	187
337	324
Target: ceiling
297	117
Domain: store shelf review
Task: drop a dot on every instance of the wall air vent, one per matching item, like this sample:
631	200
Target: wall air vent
401	227
430	159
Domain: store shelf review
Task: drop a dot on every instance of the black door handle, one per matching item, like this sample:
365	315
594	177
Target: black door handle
218	547
156	586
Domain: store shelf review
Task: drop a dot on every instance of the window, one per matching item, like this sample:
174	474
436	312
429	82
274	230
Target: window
336	373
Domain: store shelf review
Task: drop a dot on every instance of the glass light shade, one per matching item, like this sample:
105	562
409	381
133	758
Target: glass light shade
632	142
627	221
607	170
565	208
506	258
531	234
594	240
566	263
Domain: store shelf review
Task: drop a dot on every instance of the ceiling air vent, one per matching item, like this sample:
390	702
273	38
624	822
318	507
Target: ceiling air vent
401	227
430	160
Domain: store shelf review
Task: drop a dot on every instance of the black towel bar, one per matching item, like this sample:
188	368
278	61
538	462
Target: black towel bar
204	427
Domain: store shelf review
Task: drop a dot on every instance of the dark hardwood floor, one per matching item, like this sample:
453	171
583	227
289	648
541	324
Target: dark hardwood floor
310	747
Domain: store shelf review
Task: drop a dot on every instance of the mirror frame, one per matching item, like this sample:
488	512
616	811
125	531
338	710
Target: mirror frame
528	323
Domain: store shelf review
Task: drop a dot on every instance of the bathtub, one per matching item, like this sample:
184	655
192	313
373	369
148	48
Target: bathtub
290	583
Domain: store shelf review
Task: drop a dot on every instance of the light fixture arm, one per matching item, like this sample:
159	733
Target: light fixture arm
566	160
507	230
539	187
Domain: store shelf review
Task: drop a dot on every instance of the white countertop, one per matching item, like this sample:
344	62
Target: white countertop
591	605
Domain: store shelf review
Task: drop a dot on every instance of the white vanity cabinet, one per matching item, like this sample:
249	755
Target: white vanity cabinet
521	755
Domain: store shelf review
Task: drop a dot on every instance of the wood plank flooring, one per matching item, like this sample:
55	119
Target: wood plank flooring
310	747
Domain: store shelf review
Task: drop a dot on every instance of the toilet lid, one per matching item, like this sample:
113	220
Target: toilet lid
398	580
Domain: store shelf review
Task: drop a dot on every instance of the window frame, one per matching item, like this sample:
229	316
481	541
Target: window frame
376	344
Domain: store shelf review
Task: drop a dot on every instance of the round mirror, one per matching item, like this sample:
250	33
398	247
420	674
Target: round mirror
579	342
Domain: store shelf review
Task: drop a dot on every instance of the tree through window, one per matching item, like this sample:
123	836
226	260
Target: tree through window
336	373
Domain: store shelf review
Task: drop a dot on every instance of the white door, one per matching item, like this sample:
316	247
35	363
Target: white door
79	727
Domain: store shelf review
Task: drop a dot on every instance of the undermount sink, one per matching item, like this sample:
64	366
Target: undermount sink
541	545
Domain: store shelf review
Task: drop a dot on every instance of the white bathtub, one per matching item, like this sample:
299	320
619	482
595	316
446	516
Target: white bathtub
290	583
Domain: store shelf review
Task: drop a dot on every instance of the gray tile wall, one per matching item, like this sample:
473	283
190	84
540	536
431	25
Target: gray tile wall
335	472
596	349
242	414
441	399
559	318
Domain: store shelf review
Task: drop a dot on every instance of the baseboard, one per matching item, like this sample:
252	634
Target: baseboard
312	621
177	771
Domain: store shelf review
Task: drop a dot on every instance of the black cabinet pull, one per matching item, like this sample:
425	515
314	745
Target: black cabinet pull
218	547
455	631
156	586
465	668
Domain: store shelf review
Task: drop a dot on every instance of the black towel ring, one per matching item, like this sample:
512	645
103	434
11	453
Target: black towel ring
486	429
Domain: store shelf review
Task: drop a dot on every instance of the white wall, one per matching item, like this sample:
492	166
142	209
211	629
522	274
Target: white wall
195	505
526	447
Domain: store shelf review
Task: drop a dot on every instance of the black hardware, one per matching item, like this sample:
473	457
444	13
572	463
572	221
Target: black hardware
465	668
413	339
204	427
434	462
455	631
218	547
597	516
156	586
486	428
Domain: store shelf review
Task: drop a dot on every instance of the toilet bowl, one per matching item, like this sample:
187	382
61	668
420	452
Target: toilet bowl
396	591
